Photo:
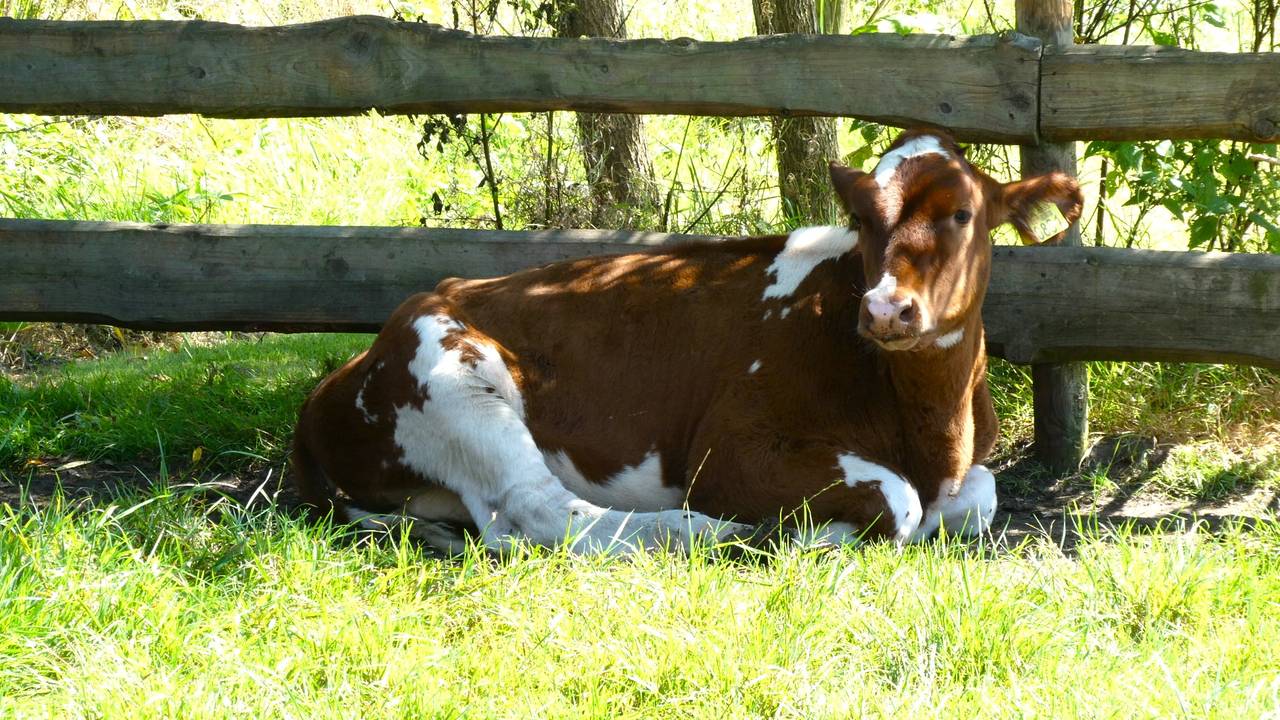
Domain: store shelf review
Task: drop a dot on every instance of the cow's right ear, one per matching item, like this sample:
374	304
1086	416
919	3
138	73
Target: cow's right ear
843	180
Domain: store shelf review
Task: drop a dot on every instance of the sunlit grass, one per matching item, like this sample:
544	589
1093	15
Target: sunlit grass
170	605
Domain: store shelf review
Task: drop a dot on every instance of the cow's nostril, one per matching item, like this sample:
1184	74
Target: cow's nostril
908	313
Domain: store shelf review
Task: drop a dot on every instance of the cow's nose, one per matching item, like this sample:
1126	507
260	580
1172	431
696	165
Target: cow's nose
890	317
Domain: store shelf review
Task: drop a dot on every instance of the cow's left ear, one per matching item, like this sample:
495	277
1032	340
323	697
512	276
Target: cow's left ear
844	180
1022	203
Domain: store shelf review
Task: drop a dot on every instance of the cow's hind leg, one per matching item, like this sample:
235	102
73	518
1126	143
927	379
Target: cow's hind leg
434	516
468	433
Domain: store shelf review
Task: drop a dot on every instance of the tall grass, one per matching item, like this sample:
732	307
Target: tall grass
170	605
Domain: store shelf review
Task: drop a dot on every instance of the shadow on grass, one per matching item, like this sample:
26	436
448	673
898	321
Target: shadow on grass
1133	484
1096	503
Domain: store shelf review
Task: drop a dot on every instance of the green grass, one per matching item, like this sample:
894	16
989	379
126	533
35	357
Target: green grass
166	605
237	401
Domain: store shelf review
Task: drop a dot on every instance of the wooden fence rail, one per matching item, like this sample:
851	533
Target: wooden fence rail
982	88
1044	304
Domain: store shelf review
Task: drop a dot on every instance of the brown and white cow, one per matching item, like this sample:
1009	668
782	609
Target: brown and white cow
635	400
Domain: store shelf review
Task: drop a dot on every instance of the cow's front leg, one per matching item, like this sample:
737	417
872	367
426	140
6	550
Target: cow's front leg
965	510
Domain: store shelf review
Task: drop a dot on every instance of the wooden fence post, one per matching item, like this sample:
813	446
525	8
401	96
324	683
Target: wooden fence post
1061	390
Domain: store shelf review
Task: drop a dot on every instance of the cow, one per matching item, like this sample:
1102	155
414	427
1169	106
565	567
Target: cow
833	378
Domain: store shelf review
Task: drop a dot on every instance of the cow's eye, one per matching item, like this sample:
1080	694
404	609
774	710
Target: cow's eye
963	216
855	223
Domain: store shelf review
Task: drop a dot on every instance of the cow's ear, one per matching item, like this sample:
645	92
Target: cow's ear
843	180
1029	206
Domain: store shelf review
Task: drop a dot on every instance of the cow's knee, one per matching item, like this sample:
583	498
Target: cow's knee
898	514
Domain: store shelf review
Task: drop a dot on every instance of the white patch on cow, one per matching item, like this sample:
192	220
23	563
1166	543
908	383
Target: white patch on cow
805	249
768	314
467	433
755	366
784	313
950	339
887	169
899	495
915	147
369	417
884	290
967	512
636	487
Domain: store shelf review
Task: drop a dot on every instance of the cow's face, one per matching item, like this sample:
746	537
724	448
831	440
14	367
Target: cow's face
924	218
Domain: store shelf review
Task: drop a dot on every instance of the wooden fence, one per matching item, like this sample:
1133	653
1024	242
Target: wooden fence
984	88
1045	305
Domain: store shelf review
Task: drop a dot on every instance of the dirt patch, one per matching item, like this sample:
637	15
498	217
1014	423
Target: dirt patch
1117	487
102	481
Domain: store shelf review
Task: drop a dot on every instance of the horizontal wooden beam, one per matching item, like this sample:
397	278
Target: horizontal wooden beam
1101	92
1050	304
1044	304
983	88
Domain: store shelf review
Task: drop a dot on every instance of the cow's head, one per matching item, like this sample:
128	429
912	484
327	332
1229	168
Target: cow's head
924	218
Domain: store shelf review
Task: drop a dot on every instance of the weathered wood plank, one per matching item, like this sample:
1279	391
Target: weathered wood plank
1103	92
1048	304
1044	305
983	88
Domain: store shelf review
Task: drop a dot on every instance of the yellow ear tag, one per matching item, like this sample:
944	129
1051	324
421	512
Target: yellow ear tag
1046	221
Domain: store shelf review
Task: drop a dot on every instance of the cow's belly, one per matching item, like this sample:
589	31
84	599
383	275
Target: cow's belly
636	488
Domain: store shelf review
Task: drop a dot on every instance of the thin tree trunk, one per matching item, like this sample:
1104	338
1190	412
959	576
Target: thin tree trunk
804	145
617	163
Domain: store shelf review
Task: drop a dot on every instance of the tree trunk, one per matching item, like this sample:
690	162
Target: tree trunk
614	154
804	145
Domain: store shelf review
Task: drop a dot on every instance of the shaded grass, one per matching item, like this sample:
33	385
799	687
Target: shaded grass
167	605
236	401
1217	425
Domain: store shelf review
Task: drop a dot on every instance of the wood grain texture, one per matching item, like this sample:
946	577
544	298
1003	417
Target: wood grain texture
1139	92
1044	305
982	88
1049	304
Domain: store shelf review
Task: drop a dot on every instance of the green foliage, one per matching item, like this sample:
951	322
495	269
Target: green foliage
1227	194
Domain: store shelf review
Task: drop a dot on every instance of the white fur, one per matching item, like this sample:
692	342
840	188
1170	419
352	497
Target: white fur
637	487
967	512
901	497
755	367
887	169
468	434
884	290
915	147
805	249
880	298
369	417
951	339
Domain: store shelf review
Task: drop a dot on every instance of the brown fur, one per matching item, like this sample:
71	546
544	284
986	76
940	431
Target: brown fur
618	356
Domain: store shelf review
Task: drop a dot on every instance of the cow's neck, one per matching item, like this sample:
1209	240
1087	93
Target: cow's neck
933	391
